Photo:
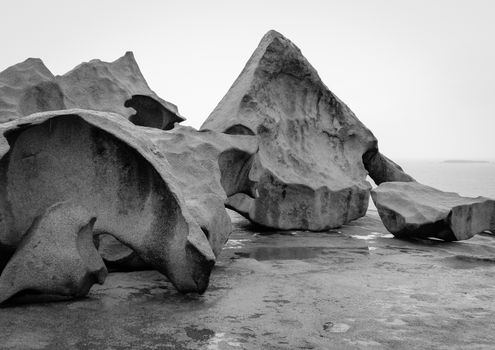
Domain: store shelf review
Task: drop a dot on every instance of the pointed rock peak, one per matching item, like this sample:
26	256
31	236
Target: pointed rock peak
128	59
33	61
129	55
32	65
276	59
271	35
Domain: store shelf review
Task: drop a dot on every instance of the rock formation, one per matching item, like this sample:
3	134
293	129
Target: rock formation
410	209
28	87
117	87
104	163
309	171
382	169
206	166
56	256
159	194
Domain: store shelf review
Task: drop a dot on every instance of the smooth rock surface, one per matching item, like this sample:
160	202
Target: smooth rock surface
118	87
308	172
110	166
56	256
410	209
355	288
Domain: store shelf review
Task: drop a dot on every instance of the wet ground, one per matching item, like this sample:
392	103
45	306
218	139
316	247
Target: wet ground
352	288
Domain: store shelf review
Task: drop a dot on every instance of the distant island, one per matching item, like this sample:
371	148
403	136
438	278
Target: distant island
464	161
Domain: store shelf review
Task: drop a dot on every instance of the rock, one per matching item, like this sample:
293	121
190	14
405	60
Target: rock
381	169
56	256
206	166
26	88
413	210
117	256
105	163
308	172
117	87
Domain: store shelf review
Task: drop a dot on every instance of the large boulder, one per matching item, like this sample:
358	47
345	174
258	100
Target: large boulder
413	210
106	164
309	171
56	256
117	87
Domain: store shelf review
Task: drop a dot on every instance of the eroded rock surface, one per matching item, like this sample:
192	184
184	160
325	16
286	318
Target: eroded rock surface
382	169
110	166
117	87
410	209
206	166
28	87
308	172
56	256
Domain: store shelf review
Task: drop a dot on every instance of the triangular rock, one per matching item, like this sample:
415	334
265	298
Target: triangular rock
309	171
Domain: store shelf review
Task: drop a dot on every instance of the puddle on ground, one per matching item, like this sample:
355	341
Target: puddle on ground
236	243
468	262
220	340
295	253
198	334
373	235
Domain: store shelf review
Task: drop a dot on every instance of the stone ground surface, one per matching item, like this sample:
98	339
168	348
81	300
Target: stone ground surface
351	288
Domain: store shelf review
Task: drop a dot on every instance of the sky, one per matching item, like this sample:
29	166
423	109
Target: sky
420	74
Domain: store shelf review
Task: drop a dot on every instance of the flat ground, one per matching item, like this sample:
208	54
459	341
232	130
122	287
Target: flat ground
351	288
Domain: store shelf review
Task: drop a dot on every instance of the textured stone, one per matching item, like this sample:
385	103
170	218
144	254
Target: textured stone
56	256
205	166
26	88
382	169
117	87
308	172
110	166
410	209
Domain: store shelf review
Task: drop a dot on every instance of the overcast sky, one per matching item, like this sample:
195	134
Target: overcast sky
420	74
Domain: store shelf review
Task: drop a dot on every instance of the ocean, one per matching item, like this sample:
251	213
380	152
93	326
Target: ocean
467	179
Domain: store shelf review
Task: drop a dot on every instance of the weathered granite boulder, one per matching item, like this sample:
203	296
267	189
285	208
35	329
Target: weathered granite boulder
26	88
114	87
309	171
117	87
410	209
108	165
56	256
206	167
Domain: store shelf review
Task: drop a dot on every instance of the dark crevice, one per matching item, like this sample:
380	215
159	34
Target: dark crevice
151	113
